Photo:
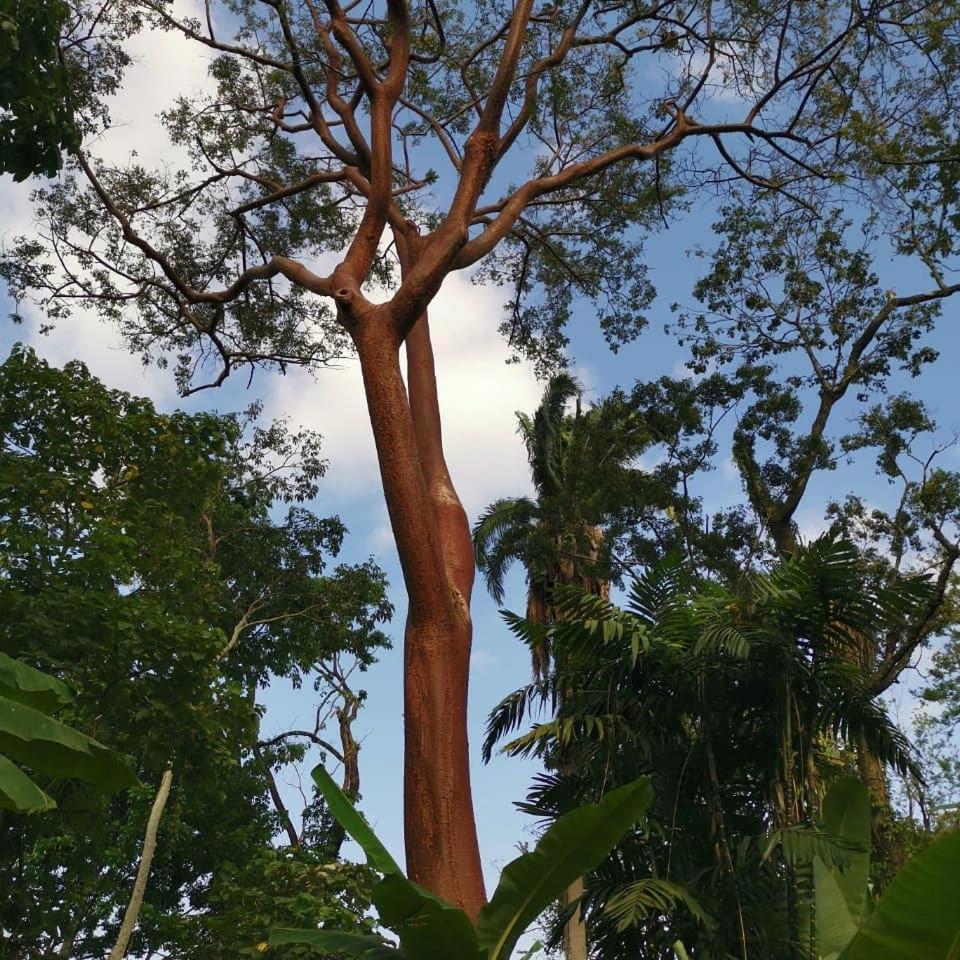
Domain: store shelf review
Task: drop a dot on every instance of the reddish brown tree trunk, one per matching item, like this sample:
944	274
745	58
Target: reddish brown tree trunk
433	542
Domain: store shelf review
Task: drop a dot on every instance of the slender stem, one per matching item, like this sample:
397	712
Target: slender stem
143	872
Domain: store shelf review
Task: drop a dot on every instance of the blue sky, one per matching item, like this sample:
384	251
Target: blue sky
479	395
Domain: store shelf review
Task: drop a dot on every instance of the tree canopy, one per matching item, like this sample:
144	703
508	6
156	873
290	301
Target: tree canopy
36	115
144	564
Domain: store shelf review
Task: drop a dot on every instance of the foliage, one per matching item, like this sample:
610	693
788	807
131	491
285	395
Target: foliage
29	735
587	490
143	564
429	928
915	916
610	119
36	113
291	887
320	129
733	701
799	333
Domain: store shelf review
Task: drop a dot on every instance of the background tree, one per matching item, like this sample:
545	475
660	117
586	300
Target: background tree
796	335
36	117
142	562
306	147
737	705
586	485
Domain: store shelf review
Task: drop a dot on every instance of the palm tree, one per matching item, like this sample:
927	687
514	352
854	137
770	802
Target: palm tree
741	704
584	483
582	469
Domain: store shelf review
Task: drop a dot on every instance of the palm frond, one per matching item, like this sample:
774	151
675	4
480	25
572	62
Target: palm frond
651	897
855	717
512	710
542	435
800	843
501	536
582	728
657	586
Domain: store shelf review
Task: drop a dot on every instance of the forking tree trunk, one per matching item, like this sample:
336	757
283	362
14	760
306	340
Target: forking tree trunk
436	556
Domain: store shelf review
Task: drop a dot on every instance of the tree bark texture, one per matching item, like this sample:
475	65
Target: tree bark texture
436	557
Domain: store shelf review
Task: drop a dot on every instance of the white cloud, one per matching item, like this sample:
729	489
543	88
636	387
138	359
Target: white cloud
84	337
147	90
479	395
165	65
482	659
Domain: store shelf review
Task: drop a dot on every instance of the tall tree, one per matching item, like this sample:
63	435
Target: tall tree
584	480
806	335
323	133
586	485
141	563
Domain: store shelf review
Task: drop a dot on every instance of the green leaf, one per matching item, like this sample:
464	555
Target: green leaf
917	918
835	927
651	895
338	941
846	816
18	792
32	687
51	747
428	927
575	844
352	821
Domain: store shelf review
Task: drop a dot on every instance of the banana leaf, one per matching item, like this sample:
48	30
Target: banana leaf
575	844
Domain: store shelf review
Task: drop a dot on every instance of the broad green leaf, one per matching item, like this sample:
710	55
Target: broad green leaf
575	844
846	816
918	917
338	941
680	950
32	687
351	820
427	926
18	792
53	748
835	927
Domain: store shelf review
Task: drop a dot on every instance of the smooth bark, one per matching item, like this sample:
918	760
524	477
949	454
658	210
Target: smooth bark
143	871
440	832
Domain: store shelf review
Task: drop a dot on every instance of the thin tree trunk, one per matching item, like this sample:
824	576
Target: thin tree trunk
439	828
143	872
574	930
886	847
